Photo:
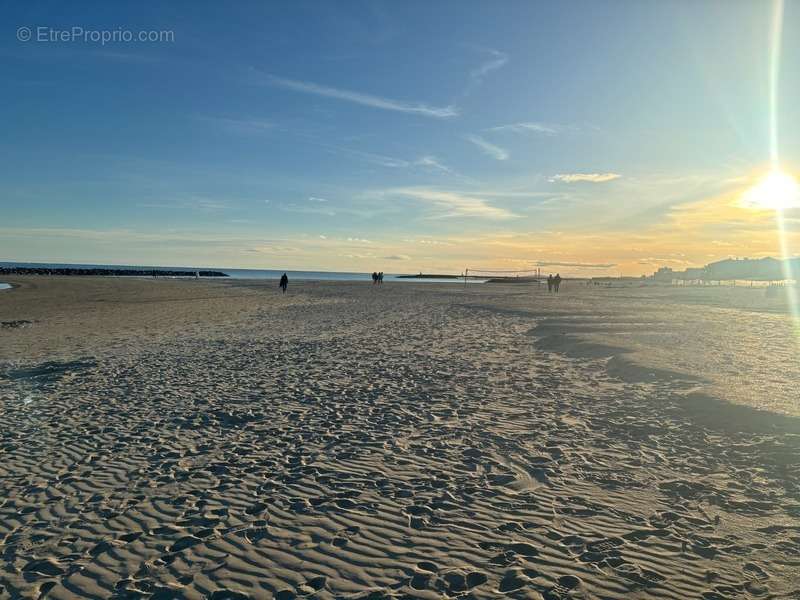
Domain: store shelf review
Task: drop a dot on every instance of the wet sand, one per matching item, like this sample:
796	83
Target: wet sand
216	439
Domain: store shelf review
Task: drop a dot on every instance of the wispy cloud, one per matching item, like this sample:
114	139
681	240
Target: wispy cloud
527	127
146	238
198	204
589	177
428	162
397	257
453	204
496	61
357	256
433	163
492	150
576	264
240	126
310	210
363	99
376	159
315	199
427	242
273	249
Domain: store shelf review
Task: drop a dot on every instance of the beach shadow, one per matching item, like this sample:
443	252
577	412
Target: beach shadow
47	373
714	413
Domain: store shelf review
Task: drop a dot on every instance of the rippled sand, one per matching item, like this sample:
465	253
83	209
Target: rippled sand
182	439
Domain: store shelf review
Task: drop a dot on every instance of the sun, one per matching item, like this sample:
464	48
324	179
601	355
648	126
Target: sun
776	191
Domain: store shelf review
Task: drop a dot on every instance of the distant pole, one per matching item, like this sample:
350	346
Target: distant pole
466	272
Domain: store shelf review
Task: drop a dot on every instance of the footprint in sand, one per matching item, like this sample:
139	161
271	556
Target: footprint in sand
44	567
183	543
420	581
312	585
605	546
427	567
753	571
562	589
225	595
523	549
513	580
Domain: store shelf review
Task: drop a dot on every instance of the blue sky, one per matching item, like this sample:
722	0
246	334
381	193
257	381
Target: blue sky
391	136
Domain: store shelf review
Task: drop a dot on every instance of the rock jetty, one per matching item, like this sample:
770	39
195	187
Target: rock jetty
97	271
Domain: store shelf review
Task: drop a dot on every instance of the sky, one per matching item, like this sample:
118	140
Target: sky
588	138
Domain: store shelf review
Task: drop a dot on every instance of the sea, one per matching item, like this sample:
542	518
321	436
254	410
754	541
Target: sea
248	273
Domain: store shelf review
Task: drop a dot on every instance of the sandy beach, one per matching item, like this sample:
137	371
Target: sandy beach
217	439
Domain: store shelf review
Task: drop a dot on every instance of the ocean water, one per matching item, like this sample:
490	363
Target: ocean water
5	286
249	273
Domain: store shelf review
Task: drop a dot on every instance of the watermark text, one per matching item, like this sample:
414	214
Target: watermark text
44	34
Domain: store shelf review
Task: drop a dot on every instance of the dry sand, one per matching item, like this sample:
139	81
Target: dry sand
215	439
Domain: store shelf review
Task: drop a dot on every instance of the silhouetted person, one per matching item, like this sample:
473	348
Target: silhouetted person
556	283
550	282
380	277
374	277
284	283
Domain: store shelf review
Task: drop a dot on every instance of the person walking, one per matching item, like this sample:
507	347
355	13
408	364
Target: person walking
284	283
550	283
556	282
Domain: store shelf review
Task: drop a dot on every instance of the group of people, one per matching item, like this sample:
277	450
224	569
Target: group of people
553	283
377	278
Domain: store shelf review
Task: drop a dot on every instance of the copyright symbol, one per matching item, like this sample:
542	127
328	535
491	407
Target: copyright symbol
24	34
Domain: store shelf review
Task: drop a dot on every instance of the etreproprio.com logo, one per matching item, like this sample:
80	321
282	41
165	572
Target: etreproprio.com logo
44	34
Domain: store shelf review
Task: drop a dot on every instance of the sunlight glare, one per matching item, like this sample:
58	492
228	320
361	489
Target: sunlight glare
777	191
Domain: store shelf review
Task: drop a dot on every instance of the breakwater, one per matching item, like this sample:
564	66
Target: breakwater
108	272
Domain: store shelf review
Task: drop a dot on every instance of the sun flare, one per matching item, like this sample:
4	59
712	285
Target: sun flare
776	190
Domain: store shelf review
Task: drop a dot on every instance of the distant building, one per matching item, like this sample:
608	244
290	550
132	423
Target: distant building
664	274
764	269
694	274
747	269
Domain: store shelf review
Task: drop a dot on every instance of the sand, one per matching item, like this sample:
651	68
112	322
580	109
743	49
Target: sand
216	439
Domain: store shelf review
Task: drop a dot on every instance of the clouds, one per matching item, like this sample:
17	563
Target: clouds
527	127
585	177
316	209
488	148
432	162
496	61
480	234
427	162
363	99
581	265
453	204
245	126
195	204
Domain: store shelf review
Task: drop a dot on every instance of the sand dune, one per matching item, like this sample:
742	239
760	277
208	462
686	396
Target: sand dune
219	440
